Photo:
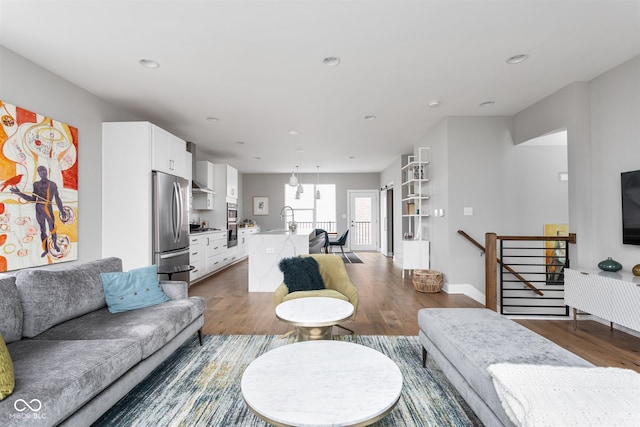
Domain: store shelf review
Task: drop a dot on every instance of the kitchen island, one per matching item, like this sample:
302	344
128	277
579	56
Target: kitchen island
267	248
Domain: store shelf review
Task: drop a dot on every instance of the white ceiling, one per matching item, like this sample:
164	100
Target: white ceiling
257	66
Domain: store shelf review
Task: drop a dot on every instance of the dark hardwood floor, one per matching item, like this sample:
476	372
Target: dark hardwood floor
388	305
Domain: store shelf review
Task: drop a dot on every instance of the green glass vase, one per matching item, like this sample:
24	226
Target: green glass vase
609	264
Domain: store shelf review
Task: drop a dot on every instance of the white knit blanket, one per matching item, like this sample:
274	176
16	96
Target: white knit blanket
540	395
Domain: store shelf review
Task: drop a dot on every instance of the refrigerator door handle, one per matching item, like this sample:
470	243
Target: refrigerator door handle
173	254
180	212
175	209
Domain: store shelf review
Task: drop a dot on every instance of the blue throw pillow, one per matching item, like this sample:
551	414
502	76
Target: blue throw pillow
301	274
134	289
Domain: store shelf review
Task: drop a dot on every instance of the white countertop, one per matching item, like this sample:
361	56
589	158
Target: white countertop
198	233
285	232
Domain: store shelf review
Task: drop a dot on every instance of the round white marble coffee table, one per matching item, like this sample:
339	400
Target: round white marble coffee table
314	317
322	383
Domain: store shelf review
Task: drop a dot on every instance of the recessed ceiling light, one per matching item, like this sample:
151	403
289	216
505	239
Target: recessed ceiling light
331	61
240	142
213	119
293	132
258	158
487	103
369	117
300	150
434	104
149	63
352	157
516	59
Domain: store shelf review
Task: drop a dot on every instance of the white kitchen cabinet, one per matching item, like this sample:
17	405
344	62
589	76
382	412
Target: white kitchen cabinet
197	258
243	240
226	182
229	256
168	153
202	201
210	253
128	157
216	248
232	182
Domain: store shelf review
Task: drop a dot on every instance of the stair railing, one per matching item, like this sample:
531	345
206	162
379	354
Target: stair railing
505	266
491	270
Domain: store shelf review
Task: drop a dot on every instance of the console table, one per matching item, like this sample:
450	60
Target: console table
611	296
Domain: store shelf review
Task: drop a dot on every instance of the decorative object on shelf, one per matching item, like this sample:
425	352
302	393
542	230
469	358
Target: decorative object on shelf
261	205
609	264
429	281
636	270
411	208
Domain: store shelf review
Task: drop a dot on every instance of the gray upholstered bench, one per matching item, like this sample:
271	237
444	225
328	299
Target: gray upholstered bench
465	341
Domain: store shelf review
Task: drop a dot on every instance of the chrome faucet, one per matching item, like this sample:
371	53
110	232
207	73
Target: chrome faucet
283	216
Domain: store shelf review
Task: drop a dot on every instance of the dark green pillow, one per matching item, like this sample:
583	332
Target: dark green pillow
301	274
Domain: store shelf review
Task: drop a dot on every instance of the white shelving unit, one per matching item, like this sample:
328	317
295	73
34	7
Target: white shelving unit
415	211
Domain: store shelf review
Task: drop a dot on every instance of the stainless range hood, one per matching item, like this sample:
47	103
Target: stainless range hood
195	185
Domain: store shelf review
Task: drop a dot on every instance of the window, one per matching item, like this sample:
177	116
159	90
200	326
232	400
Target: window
311	212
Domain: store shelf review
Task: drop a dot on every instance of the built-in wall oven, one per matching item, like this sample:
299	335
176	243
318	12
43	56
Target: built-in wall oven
232	224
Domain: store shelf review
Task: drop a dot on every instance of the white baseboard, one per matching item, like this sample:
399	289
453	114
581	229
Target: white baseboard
466	289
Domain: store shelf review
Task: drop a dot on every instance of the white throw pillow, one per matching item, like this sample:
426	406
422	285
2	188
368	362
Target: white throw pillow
541	395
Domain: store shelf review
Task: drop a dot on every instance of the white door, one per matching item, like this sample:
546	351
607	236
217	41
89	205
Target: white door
363	220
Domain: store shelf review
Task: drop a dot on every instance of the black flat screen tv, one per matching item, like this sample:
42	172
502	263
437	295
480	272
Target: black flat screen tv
630	182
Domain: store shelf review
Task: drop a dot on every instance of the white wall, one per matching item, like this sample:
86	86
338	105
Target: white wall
568	108
615	147
602	118
476	165
29	86
438	191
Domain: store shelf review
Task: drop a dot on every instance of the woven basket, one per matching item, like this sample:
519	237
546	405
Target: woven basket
427	281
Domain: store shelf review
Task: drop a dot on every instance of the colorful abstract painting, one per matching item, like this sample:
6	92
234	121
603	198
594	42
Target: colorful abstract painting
556	252
38	189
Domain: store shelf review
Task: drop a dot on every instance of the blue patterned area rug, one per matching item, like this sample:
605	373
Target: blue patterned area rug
200	386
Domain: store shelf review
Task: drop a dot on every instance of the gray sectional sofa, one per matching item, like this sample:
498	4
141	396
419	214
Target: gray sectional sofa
72	358
464	342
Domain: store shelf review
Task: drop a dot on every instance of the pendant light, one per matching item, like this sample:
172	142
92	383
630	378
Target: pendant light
318	183
293	179
300	189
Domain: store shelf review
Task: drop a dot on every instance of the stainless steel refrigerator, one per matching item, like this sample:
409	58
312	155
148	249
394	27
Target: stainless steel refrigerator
170	223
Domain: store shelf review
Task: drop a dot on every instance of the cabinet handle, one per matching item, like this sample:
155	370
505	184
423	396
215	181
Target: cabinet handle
194	253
